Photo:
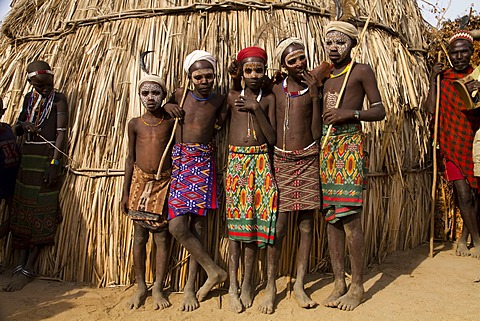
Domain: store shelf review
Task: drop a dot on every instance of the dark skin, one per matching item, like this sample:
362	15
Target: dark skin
146	145
349	229
197	125
460	52
304	129
238	109
43	84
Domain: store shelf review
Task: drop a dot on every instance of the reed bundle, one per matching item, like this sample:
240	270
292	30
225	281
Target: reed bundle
94	50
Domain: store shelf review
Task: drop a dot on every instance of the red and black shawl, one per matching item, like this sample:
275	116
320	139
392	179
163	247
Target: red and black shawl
457	125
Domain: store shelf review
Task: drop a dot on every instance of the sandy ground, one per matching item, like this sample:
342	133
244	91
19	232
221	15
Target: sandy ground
407	286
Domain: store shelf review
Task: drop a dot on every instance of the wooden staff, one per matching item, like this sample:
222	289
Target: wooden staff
354	55
434	182
186	84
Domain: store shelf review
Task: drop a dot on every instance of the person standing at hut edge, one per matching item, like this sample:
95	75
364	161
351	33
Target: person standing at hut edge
9	164
35	215
193	189
456	131
343	161
251	191
296	164
144	194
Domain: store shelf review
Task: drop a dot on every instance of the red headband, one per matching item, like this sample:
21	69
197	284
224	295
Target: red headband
462	34
252	52
39	72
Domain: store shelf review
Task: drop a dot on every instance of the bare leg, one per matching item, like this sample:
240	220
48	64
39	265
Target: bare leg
19	279
305	225
355	242
140	239
267	304
179	228
159	299
466	203
246	296
462	249
336	247
233	259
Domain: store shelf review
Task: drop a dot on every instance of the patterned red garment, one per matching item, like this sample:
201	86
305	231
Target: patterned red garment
457	126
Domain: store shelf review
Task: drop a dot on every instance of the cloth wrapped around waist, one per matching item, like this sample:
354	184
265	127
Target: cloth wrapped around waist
343	166
147	198
194	180
251	195
297	176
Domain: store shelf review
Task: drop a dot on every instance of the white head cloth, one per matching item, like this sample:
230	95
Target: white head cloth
343	27
284	44
152	78
197	55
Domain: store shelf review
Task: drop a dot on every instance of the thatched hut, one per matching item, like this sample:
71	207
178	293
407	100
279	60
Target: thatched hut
94	48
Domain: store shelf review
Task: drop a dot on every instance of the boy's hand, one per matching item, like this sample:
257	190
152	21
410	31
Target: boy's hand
124	204
311	82
234	69
246	104
174	110
278	77
337	115
51	175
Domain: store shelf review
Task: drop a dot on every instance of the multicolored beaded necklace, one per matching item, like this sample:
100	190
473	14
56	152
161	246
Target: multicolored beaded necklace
42	112
250	117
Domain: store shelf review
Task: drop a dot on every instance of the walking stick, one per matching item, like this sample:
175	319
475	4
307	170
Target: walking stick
434	182
354	55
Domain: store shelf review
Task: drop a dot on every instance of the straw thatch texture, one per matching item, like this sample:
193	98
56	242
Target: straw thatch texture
94	48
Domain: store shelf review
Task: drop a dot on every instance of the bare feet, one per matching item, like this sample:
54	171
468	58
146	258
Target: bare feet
475	252
159	299
246	296
189	302
266	306
19	280
339	290
462	249
303	300
212	280
235	304
139	297
352	299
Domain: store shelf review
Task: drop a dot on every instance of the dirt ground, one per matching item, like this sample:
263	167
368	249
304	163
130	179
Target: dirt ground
407	286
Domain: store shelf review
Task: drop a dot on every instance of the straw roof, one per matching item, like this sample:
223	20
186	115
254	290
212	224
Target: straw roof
94	47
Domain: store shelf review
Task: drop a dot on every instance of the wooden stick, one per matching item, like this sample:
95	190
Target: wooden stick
354	55
434	181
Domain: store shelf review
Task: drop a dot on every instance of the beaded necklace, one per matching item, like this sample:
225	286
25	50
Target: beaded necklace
42	112
343	72
200	98
250	117
293	94
154	125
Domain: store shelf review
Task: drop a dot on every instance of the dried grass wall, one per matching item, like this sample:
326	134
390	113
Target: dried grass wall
94	48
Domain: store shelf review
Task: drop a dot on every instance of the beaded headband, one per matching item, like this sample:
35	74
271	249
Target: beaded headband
462	34
32	74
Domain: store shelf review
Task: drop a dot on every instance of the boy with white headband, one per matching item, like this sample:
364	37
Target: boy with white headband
193	189
343	161
145	195
295	161
35	215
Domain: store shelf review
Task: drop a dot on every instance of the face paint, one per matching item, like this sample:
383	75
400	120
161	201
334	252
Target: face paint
338	45
203	75
253	69
296	59
151	95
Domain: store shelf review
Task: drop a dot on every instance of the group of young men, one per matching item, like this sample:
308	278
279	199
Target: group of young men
283	118
275	167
